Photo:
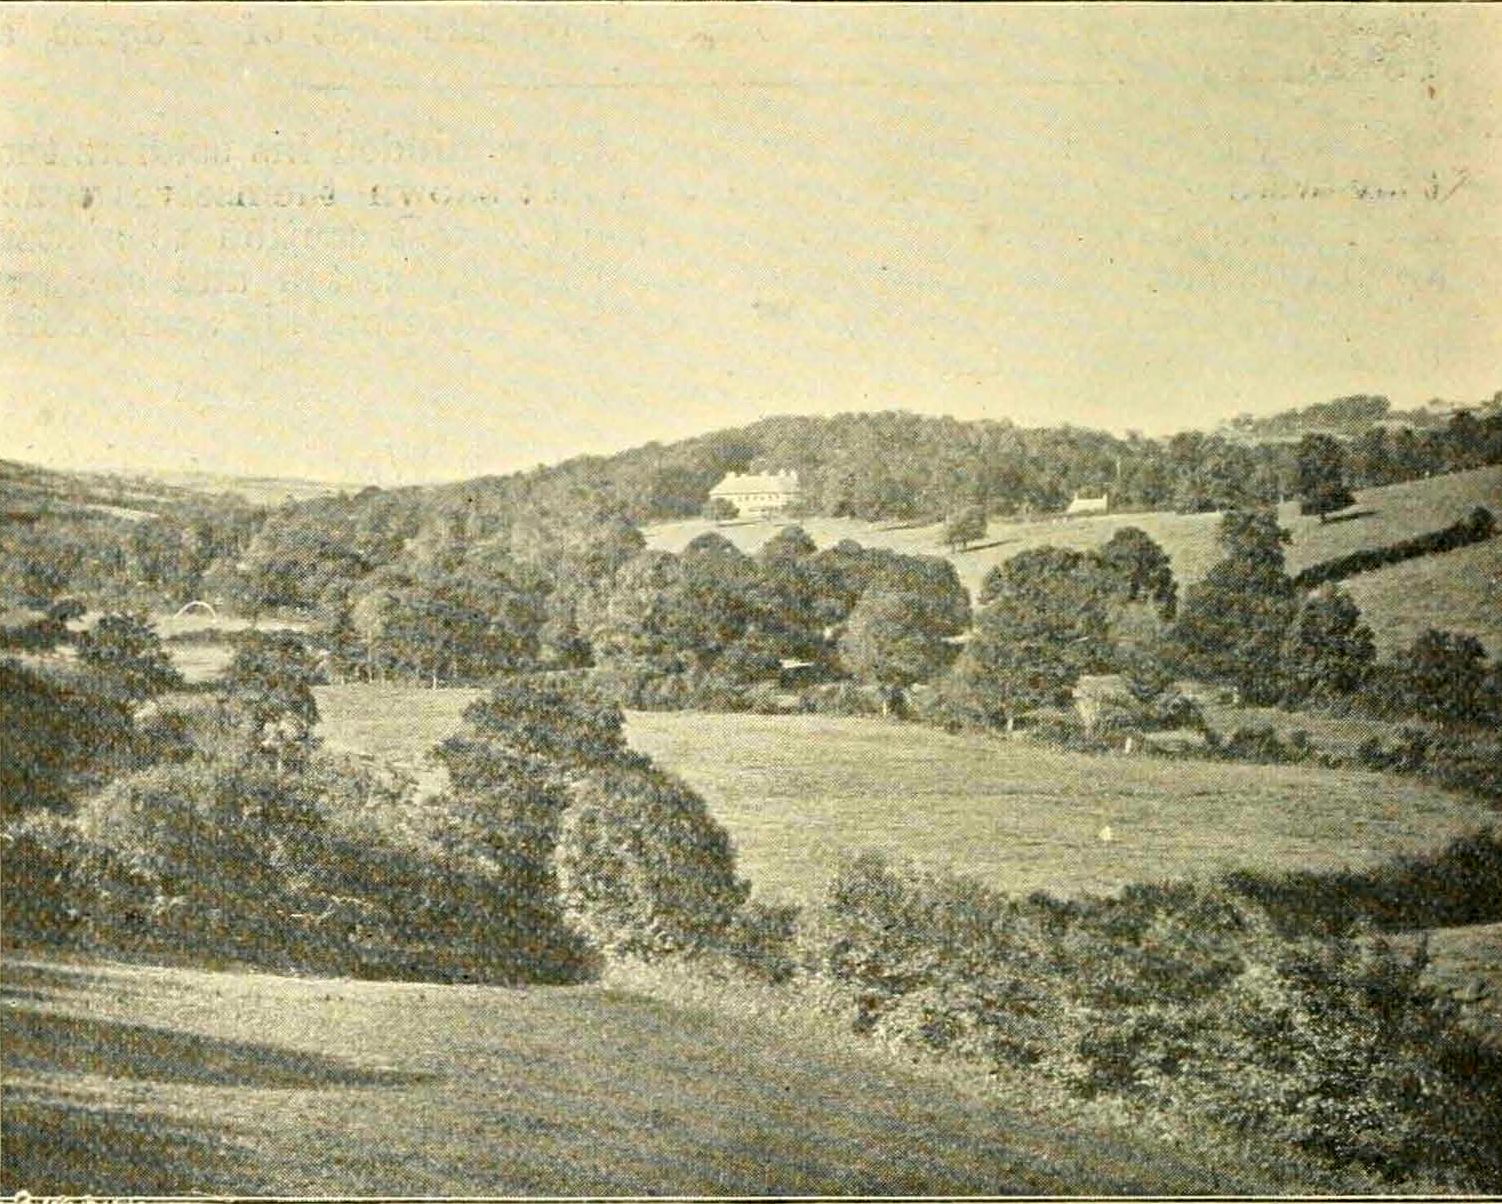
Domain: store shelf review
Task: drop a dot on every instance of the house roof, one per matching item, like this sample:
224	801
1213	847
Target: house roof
754	482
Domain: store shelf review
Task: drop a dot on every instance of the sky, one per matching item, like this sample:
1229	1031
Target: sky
412	243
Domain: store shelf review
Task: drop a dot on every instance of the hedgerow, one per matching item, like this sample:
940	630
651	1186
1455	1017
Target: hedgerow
1478	526
1183	1000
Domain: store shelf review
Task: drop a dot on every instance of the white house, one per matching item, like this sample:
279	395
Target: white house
758	495
1083	504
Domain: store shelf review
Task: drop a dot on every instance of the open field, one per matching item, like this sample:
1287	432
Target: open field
1455	591
394	723
129	1079
797	791
1459	589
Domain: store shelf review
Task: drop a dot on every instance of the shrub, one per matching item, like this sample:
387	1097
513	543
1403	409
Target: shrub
762	939
643	870
60	739
1182	998
1461	884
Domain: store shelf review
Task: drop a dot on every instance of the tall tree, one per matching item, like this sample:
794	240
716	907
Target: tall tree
269	686
965	527
1232	624
1045	624
1142	569
1322	476
900	630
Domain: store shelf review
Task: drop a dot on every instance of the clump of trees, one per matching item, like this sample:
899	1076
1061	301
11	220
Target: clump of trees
1231	625
1322	476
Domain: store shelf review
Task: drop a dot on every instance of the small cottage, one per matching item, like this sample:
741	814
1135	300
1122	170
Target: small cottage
1085	504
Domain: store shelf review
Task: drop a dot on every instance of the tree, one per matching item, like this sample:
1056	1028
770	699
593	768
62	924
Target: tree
1142	569
965	527
643	869
1321	476
1232	624
1329	650
721	510
127	653
58	739
269	686
1445	675
1046	623
900	630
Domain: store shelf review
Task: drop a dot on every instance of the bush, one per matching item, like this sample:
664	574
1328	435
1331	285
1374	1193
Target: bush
1462	884
761	939
1182	998
643	870
60	739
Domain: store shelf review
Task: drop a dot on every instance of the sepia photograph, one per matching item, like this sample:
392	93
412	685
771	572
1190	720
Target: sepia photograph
750	600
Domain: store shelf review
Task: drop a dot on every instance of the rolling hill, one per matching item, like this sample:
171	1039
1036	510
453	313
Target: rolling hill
1459	590
137	1080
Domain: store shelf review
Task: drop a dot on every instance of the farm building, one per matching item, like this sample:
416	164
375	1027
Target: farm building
758	495
1084	504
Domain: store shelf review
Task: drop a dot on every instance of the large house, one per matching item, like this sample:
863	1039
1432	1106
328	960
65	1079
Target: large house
758	495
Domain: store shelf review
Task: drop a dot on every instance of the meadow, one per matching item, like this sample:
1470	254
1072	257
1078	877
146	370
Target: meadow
797	791
1459	590
123	1079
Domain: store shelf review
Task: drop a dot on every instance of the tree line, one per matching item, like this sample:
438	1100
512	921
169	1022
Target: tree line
258	559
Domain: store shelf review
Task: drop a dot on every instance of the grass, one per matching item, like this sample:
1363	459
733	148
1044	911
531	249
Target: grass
130	1079
391	722
798	791
1457	589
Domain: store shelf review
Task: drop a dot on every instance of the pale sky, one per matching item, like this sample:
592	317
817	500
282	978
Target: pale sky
414	243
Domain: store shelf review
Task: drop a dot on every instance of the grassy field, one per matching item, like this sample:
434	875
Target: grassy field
396	723
797	791
128	1079
1456	591
1459	589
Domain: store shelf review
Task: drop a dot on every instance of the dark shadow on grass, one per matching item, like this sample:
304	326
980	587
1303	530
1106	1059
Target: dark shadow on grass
57	1147
1347	516
48	1042
981	547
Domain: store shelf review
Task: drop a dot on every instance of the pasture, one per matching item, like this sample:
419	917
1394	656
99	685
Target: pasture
796	792
141	1080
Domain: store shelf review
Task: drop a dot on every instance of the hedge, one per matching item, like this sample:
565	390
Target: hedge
1478	527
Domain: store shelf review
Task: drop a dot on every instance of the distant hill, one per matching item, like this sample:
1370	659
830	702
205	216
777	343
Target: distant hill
258	491
1349	417
28	490
1456	590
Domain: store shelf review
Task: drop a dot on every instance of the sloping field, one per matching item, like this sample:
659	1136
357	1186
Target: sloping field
128	1079
1455	591
798	791
1383	516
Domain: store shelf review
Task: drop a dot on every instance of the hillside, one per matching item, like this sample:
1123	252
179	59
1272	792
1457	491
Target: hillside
165	1081
1459	588
27	490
